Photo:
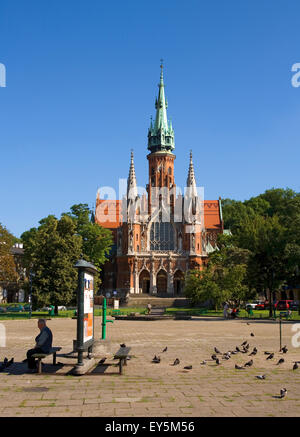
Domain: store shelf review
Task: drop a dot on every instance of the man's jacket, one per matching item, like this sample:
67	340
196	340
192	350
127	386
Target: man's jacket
44	340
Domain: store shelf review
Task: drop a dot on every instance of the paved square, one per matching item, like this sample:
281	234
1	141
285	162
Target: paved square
148	389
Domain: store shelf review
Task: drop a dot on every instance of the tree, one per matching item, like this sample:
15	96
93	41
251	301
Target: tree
266	239
51	250
200	286
8	271
96	240
223	279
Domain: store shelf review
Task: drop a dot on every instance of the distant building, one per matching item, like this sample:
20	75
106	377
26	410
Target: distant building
12	291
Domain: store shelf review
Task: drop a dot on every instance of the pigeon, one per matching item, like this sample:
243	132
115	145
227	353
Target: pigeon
280	361
244	343
156	359
188	367
165	349
295	366
217	351
176	362
284	349
234	352
238	367
252	335
237	349
270	356
254	352
260	376
268	353
283	393
214	357
102	360
247	346
249	363
226	357
123	345
203	362
255	349
217	361
10	362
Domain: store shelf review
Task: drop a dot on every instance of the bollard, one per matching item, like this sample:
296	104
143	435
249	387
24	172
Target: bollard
280	332
104	321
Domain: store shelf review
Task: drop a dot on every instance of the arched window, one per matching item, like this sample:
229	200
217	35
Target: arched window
170	170
161	236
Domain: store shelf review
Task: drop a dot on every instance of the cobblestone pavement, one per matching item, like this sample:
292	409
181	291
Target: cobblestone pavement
148	389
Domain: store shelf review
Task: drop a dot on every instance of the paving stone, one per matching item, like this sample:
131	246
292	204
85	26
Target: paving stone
157	390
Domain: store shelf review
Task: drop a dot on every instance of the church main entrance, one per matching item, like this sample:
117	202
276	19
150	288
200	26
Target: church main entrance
162	282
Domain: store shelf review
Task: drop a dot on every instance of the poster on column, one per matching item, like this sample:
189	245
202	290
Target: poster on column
88	307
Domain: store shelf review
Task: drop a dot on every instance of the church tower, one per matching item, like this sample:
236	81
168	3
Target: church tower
161	144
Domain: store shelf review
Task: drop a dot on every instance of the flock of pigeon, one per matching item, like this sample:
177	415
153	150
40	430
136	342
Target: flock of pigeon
242	349
6	363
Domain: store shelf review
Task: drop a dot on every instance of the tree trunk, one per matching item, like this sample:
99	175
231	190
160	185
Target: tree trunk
270	303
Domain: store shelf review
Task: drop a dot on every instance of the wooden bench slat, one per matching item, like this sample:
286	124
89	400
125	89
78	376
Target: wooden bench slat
41	356
122	352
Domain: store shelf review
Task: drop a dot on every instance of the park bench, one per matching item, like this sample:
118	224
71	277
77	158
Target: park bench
286	315
42	355
115	313
122	355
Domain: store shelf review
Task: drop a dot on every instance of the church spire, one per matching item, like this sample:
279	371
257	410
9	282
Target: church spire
161	135
191	194
131	181
191	181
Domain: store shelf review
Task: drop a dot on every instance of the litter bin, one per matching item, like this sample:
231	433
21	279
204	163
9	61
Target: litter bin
249	311
51	311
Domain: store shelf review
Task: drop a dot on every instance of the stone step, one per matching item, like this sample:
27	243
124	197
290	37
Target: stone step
162	302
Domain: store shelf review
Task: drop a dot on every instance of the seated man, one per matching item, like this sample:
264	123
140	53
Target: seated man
43	344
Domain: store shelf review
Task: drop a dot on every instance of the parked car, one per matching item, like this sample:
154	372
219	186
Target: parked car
27	307
283	305
252	304
60	308
15	308
3	310
260	305
294	305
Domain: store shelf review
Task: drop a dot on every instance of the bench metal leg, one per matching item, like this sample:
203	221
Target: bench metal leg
121	366
54	359
39	365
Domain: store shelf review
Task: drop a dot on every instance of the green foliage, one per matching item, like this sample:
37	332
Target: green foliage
52	249
269	227
96	240
8	272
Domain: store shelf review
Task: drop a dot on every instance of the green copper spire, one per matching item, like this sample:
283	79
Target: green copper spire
161	134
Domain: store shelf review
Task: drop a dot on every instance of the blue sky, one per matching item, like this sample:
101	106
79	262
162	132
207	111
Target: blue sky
82	80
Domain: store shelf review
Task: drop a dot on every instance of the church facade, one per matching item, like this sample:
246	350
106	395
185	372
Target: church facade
161	234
